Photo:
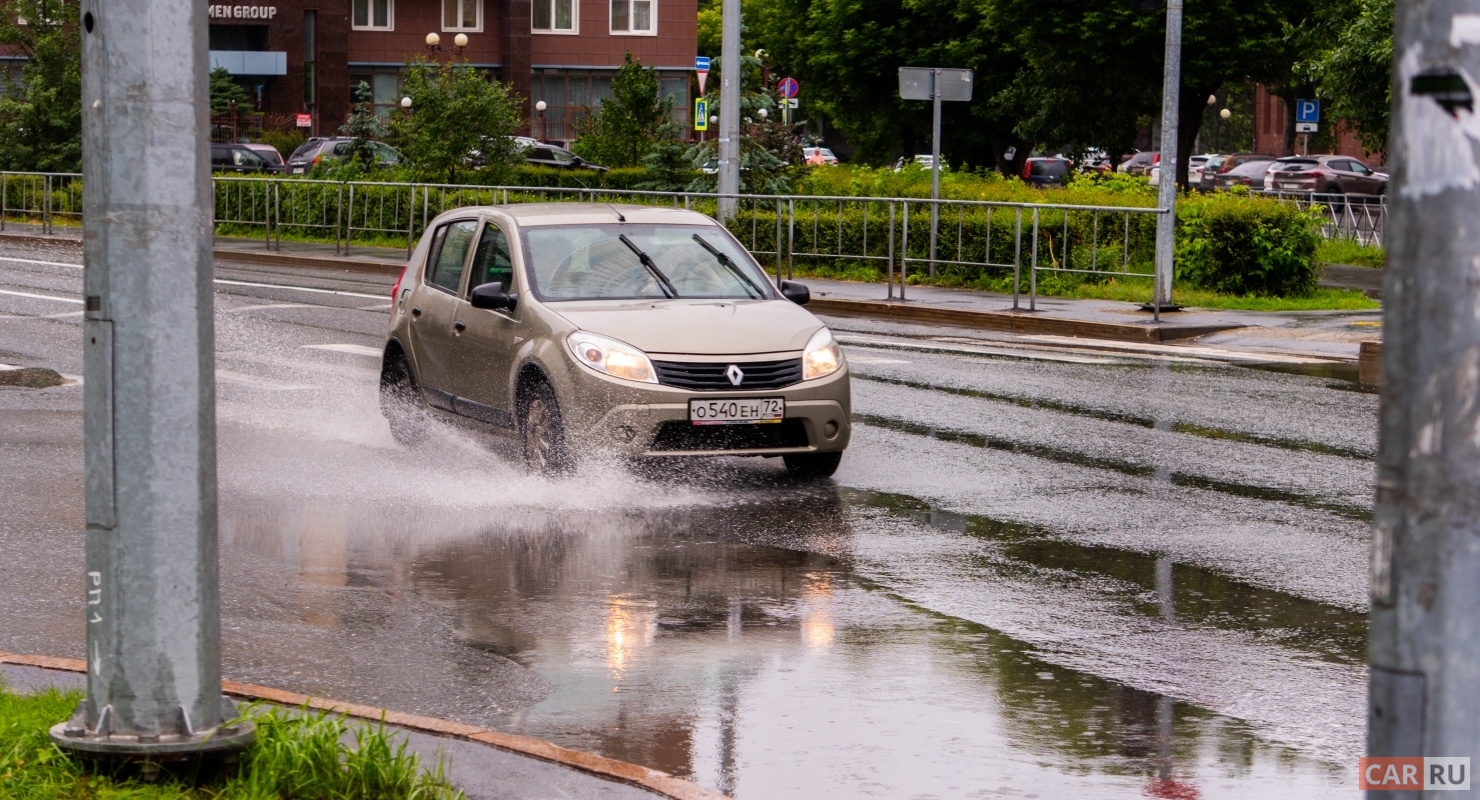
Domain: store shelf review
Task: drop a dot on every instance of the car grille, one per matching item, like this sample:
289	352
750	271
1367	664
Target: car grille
680	435
714	376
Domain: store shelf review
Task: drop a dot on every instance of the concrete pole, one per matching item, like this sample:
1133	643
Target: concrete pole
151	593
1425	630
934	163
1171	89
729	110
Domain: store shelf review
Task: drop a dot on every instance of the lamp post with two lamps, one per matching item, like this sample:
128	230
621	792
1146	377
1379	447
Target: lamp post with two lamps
1218	122
459	43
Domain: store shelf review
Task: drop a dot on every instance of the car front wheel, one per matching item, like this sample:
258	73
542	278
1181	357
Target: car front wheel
542	432
813	465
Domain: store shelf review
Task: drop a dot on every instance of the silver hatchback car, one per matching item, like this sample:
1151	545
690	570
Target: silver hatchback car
582	327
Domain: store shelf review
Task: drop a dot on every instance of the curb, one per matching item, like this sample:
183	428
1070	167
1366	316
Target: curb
316	262
1015	321
650	779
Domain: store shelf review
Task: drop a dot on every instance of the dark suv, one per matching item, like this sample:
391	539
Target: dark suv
319	149
239	158
1046	171
1221	164
548	155
1329	175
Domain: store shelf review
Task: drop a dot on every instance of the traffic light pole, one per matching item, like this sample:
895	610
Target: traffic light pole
151	587
1425	582
729	110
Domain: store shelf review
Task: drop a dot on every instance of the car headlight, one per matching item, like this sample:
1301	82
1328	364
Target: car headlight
822	357
612	357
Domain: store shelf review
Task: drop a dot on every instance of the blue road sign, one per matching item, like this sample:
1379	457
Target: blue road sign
701	63
701	114
1307	111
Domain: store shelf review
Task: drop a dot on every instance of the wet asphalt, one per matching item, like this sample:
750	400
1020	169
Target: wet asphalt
1040	572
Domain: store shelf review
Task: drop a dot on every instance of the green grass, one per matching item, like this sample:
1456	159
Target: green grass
1346	251
1129	290
298	755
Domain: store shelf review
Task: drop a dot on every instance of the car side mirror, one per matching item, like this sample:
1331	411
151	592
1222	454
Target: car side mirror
491	296
796	292
577	160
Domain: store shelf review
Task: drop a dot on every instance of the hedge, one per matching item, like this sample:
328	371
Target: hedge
1247	246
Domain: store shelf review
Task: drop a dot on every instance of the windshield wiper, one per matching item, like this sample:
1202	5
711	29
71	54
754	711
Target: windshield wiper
647	261
730	264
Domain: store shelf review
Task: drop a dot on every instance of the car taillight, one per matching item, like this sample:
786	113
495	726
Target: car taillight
396	290
1027	171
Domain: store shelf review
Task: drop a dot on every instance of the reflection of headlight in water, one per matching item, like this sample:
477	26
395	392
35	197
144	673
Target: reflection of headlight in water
629	626
817	620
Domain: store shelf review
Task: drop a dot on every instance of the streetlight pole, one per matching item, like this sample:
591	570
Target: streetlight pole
1167	195
149	403
729	110
1425	634
540	107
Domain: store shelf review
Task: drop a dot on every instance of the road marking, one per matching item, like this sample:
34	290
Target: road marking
352	349
265	306
381	307
879	341
36	261
42	296
1195	351
225	282
855	359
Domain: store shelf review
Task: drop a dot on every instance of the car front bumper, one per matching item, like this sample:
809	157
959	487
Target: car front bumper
642	419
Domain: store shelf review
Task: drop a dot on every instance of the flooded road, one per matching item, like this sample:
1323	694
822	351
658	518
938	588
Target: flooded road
1038	573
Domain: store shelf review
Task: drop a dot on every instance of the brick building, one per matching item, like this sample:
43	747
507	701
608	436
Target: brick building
303	57
1269	131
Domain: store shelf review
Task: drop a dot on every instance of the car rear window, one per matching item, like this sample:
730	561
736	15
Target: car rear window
1049	169
303	150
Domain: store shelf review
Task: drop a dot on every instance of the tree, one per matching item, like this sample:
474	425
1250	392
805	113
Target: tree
628	123
670	164
455	111
363	126
41	111
226	93
1355	74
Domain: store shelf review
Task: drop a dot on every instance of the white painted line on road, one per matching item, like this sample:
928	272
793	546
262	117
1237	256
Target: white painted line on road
38	261
853	359
1179	350
1032	355
225	282
265	306
353	349
42	296
381	307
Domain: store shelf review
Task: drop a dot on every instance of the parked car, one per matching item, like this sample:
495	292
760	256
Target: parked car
1280	164
548	155
583	328
1140	163
1195	166
269	153
925	160
818	155
1249	174
320	149
1218	164
1047	170
1330	175
239	158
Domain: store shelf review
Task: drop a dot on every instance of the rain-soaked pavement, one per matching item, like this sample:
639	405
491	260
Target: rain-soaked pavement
1039	572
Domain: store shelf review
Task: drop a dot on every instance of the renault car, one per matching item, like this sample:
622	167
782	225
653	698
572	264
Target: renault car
582	328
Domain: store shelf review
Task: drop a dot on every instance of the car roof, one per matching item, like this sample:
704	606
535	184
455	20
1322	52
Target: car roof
528	215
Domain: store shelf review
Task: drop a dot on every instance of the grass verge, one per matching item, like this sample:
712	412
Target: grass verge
1122	289
298	754
1346	251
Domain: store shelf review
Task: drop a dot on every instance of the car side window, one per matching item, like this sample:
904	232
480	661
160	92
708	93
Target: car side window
341	149
491	261
1359	168
449	253
541	153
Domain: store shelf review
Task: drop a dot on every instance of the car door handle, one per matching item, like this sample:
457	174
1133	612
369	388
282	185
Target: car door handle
415	312
459	327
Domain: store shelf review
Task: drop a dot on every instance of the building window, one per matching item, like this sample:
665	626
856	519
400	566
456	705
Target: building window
634	17
462	15
555	16
373	15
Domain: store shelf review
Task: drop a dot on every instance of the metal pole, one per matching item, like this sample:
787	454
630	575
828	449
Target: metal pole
1033	267
1017	259
891	251
1167	195
934	163
729	110
151	589
904	251
1425	635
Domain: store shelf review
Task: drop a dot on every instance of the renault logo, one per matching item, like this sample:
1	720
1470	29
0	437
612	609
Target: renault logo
735	375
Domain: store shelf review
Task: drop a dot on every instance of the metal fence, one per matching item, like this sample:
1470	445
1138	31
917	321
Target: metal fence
977	243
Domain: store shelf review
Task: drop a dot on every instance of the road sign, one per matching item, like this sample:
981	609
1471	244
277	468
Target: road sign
701	63
304	120
788	88
1307	111
790	102
1306	127
915	83
701	114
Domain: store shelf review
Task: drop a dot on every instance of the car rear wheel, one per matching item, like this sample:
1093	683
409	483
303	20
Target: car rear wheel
813	465
542	433
401	403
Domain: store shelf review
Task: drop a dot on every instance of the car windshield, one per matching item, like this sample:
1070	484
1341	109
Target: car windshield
592	262
270	156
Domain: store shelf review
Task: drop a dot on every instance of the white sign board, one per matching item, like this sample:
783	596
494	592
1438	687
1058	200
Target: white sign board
915	83
1306	127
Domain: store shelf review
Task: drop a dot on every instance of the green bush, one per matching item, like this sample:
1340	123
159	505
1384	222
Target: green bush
1248	246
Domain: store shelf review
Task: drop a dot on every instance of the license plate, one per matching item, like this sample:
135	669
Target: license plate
741	411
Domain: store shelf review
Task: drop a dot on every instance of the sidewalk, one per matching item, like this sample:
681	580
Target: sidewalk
484	764
1336	335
